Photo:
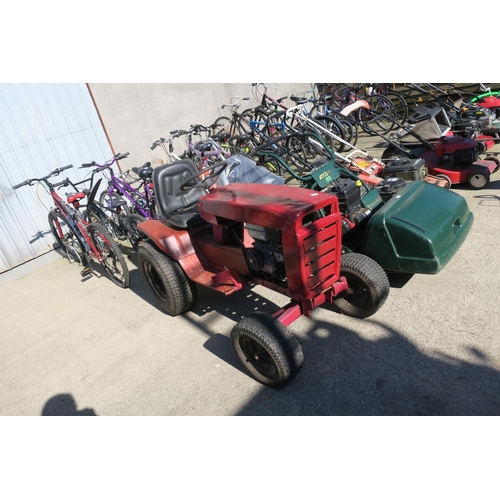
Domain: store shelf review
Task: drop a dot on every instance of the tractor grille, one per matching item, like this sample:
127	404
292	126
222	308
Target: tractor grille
320	256
320	244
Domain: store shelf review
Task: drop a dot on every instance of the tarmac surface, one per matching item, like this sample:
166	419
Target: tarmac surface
76	346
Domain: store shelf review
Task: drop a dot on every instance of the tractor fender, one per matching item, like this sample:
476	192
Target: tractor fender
176	243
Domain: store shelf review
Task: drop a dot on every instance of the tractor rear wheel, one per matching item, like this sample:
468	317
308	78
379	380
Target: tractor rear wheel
267	349
368	286
174	292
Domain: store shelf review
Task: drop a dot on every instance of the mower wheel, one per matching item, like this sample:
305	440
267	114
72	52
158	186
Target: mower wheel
172	289
368	286
267	349
447	179
478	180
495	160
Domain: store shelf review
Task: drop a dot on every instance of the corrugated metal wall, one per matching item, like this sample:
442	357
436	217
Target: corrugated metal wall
42	127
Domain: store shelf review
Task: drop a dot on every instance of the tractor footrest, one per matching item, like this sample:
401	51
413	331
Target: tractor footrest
223	281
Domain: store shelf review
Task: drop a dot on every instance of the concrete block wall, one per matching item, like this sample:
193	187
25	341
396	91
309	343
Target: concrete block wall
137	114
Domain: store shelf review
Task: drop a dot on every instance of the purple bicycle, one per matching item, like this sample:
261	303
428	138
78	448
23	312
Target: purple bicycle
122	205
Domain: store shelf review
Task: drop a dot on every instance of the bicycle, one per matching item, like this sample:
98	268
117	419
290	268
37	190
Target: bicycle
238	133
204	152
82	241
121	206
168	146
238	123
397	99
317	107
381	111
334	124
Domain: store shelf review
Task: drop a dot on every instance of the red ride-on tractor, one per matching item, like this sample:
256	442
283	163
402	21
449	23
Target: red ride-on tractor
284	238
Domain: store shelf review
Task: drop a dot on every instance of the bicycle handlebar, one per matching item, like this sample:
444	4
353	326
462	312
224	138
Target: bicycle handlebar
173	135
271	142
118	156
236	104
28	182
24	183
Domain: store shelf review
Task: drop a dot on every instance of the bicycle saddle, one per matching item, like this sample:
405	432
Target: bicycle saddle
299	100
145	171
76	197
205	146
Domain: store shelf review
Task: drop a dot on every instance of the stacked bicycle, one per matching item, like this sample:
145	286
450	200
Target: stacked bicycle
204	152
82	241
122	206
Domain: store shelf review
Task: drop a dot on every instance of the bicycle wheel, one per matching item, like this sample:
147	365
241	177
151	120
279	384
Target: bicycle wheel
400	105
112	262
350	128
318	109
134	235
330	131
223	125
342	97
112	212
243	123
300	153
65	236
113	224
114	204
381	116
275	126
59	228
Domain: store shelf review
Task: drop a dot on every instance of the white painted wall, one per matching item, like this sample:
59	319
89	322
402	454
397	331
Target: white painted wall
42	127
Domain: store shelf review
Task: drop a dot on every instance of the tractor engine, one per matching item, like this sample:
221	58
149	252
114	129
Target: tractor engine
266	256
455	151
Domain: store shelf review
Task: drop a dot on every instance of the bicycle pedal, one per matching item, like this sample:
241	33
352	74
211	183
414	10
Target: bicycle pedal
86	271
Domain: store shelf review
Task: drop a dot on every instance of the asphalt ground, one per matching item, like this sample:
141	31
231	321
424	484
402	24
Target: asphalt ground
76	346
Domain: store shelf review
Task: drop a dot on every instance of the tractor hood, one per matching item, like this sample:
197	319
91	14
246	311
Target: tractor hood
419	230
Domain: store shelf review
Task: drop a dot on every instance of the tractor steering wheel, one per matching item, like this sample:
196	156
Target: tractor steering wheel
222	164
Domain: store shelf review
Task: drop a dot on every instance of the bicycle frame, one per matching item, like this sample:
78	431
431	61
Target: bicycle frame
141	201
143	206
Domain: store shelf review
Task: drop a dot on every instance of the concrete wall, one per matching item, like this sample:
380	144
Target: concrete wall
137	114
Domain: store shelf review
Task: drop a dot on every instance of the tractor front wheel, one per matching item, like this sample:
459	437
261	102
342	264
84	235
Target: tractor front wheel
267	349
368	286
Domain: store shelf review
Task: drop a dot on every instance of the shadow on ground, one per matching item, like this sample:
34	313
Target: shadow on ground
64	405
345	374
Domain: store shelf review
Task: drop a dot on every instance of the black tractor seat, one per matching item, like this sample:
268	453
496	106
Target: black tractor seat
178	208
